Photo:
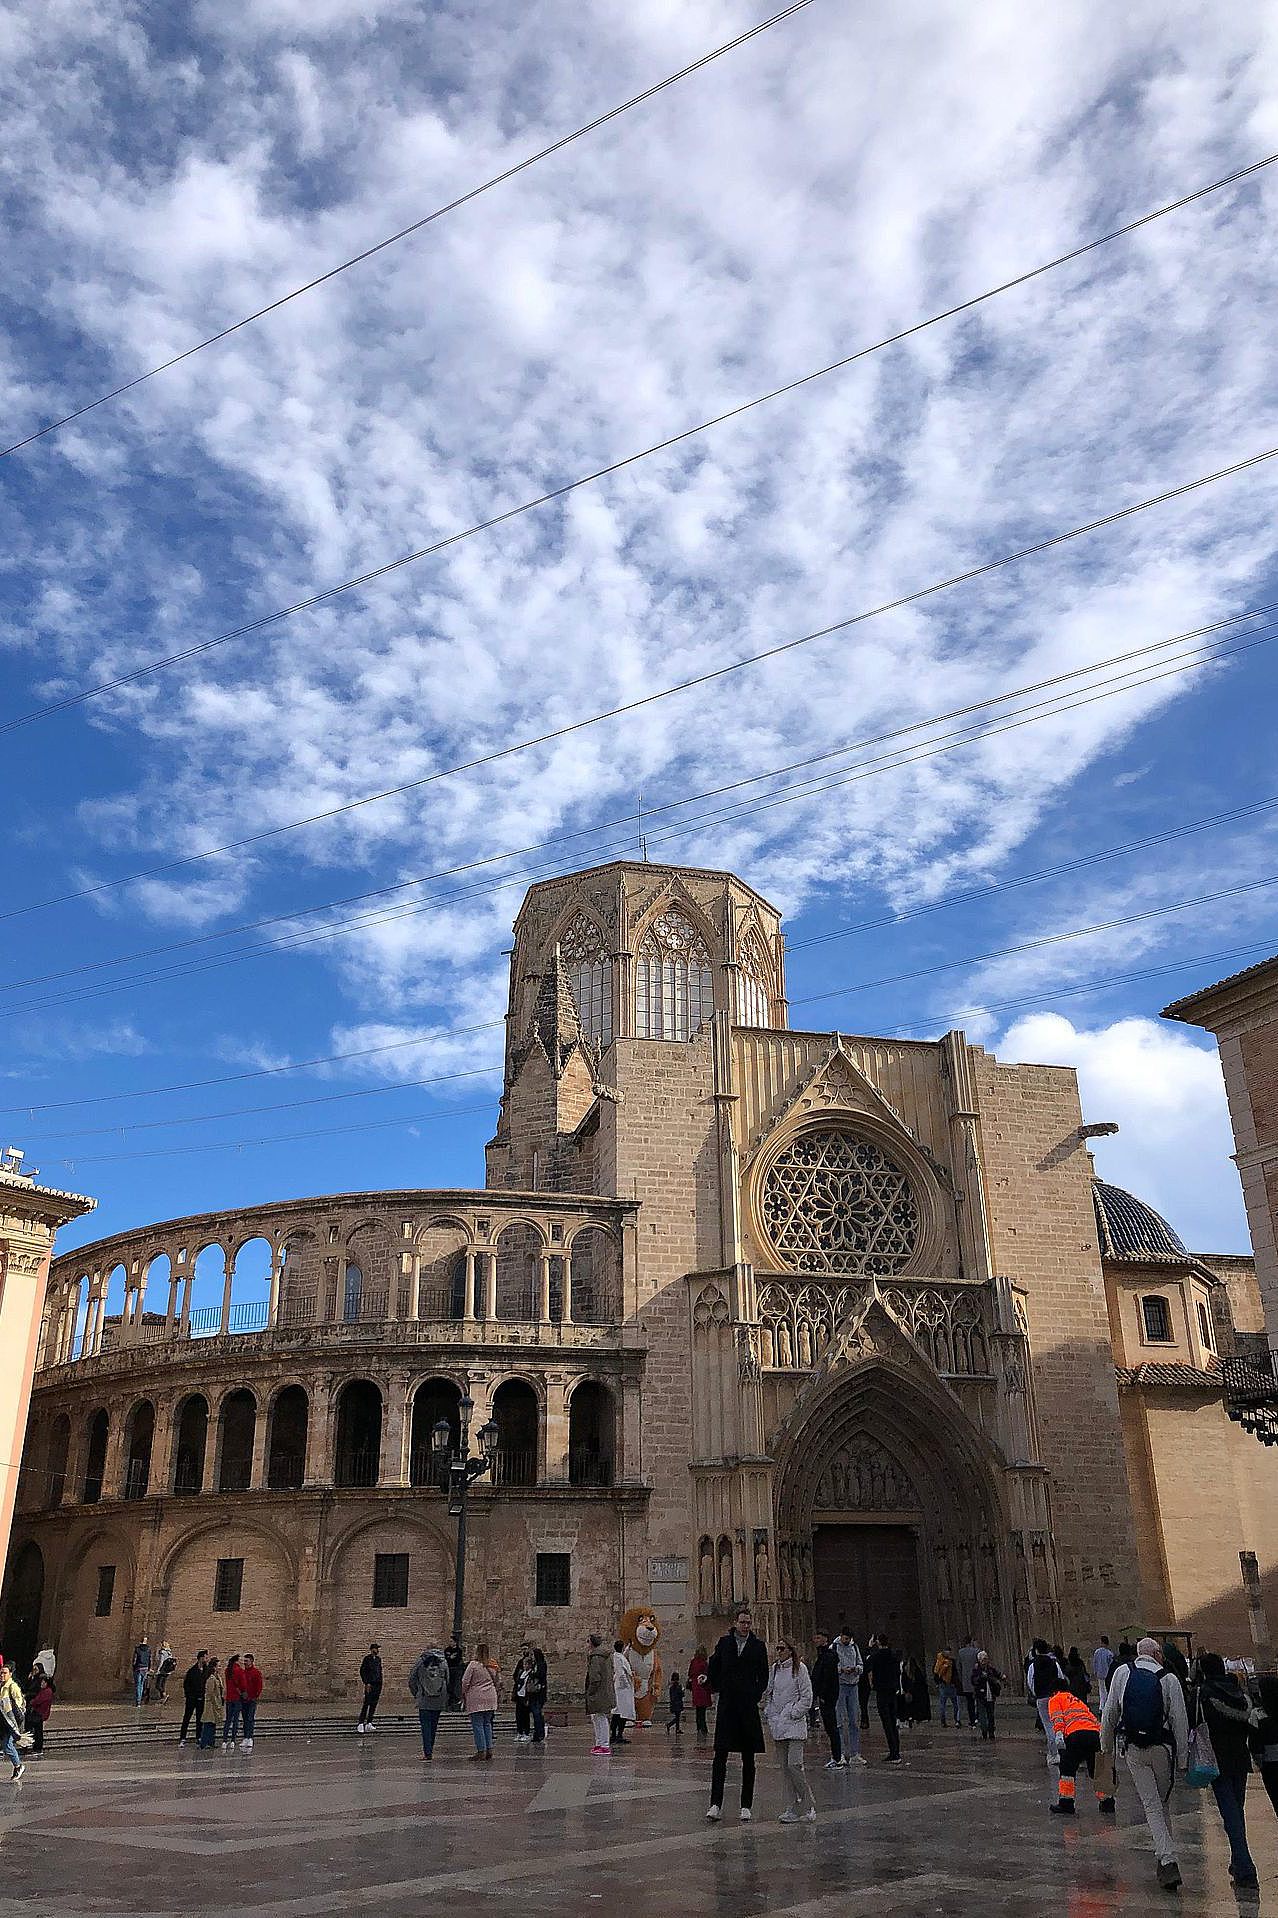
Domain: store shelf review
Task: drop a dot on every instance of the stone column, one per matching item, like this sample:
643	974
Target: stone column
175	1281
188	1287
257	1471
228	1277
629	1268
161	1479
319	1434
336	1269
543	1311
629	1467
394	1396
556	1421
113	1467
490	1286
468	1302
273	1302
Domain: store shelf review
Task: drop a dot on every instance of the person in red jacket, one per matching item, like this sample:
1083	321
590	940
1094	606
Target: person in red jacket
233	1680
250	1691
39	1705
699	1686
1078	1737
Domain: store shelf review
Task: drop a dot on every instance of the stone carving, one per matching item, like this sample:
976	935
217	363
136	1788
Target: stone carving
833	1202
949	1324
797	1323
762	1567
705	1572
711	1307
863	1477
747	1356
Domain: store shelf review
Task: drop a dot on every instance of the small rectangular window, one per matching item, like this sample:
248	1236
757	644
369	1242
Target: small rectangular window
1204	1326
1157	1317
390	1580
228	1584
106	1591
554	1578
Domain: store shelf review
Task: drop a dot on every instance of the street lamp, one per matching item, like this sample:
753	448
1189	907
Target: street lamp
454	1470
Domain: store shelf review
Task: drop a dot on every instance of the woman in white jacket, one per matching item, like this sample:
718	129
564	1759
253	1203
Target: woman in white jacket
623	1684
786	1705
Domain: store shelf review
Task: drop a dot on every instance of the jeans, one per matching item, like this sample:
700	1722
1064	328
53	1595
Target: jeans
850	1718
984	1715
248	1713
539	1721
719	1773
949	1695
798	1793
231	1724
429	1722
1153	1773
885	1703
1230	1792
139	1685
481	1724
830	1719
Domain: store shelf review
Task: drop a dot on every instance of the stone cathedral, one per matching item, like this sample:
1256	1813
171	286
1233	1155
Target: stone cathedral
843	1327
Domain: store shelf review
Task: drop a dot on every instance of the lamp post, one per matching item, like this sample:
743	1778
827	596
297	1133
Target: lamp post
454	1470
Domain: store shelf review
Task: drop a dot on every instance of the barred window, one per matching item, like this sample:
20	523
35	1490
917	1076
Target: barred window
228	1583
390	1580
589	972
674	984
106	1591
554	1578
1156	1315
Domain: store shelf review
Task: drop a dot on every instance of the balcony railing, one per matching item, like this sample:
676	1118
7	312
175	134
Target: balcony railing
1251	1395
137	1477
587	1466
515	1465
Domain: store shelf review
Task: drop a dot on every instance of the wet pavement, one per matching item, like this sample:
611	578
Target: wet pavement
299	1828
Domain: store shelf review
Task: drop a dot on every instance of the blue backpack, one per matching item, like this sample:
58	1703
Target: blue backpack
1144	1720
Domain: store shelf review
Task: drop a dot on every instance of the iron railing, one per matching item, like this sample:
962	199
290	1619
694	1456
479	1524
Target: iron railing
1251	1395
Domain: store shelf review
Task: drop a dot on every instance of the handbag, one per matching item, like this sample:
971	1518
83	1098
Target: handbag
1202	1769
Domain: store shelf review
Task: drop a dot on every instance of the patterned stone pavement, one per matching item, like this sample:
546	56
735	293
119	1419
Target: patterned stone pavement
302	1828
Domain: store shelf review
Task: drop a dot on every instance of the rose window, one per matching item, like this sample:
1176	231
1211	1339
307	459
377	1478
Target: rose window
833	1202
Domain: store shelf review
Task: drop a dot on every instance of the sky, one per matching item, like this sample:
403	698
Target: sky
835	180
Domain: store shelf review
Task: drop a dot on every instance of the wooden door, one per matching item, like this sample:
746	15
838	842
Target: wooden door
868	1576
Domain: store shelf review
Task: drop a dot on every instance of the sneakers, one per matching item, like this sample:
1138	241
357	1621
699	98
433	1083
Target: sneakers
859	1760
19	1771
228	1745
246	1745
361	1729
788	1818
600	1751
714	1814
1168	1874
370	1726
834	1764
809	1816
1063	1808
746	1814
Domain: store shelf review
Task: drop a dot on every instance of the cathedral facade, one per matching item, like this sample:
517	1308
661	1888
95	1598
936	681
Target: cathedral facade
840	1327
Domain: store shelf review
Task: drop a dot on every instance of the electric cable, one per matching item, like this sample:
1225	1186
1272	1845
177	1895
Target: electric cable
787	796
651	812
783	648
327	593
451	206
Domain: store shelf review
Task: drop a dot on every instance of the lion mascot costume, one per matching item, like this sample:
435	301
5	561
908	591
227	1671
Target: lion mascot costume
640	1634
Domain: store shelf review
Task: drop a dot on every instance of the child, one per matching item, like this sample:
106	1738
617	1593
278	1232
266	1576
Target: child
676	1705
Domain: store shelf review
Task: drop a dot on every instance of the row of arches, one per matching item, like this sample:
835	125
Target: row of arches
527	1275
227	1465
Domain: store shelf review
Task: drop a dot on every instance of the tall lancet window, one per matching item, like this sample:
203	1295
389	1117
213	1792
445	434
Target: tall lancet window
589	971
754	975
674	984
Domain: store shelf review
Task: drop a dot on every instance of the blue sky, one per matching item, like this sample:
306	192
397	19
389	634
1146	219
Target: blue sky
839	178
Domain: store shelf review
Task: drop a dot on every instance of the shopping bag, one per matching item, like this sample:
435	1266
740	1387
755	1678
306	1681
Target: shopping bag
1202	1769
1105	1774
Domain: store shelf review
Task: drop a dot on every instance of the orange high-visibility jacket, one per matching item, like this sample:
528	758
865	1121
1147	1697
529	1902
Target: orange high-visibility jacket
1069	1714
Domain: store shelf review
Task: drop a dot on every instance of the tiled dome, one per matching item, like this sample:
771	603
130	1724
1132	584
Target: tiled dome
1130	1229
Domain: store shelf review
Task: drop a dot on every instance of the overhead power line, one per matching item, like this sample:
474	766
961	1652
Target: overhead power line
650	812
393	239
913	598
587	479
456	1112
1055	707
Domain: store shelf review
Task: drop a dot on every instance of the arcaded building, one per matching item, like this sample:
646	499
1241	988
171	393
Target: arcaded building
814	1321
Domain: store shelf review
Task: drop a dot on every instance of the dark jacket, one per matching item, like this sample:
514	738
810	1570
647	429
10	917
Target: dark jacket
825	1676
883	1669
739	1676
370	1672
195	1679
537	1682
1226	1711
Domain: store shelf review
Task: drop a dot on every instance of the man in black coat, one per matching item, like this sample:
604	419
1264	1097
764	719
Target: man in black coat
825	1692
194	1684
370	1677
883	1669
739	1678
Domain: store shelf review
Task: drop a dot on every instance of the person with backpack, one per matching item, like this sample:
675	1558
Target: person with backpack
428	1683
945	1672
1227	1712
825	1691
1146	1722
1078	1737
13	1718
370	1677
1264	1737
1045	1675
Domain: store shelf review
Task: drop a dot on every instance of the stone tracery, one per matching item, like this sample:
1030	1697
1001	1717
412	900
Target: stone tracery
834	1202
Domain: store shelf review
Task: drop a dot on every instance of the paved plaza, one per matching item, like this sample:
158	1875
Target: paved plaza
337	1825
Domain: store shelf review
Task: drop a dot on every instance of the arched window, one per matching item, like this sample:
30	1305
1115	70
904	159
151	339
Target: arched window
239	1429
589	972
754	988
192	1437
359	1434
1156	1314
138	1435
286	1446
592	1270
95	1455
515	1416
674	985
59	1447
591	1435
518	1272
434	1399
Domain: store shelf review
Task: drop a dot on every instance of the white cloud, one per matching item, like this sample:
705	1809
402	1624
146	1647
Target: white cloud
1166	1092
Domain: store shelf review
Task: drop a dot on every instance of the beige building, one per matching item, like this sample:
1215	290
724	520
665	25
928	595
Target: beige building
814	1321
